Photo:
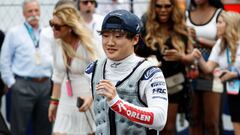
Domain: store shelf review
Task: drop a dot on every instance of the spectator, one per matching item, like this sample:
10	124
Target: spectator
26	69
129	93
167	38
71	56
226	55
202	19
47	36
94	21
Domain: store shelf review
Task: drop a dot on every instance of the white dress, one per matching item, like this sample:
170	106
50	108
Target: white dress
69	120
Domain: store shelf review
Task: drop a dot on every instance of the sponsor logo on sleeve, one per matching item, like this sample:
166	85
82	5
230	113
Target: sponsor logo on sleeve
133	114
155	97
156	78
89	68
150	73
159	91
156	84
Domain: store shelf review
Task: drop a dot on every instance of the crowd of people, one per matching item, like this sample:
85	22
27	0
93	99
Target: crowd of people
119	74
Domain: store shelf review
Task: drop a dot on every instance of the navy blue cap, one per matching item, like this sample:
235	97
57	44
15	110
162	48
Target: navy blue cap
122	19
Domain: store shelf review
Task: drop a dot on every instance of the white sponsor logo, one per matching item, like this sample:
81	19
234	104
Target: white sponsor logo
139	116
121	106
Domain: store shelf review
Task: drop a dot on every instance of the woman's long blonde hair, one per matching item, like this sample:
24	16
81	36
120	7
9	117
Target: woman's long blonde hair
179	29
71	17
230	37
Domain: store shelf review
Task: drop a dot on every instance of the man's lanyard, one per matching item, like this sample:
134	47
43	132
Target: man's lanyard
32	35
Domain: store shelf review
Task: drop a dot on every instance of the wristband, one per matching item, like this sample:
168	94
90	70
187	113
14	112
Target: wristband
54	102
54	99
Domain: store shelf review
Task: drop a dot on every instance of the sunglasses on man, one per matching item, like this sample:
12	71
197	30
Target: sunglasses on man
85	2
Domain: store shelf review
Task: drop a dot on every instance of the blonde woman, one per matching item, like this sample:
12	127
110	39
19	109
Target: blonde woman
166	37
71	57
226	55
202	18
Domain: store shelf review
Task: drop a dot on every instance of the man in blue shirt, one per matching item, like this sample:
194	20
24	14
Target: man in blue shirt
26	68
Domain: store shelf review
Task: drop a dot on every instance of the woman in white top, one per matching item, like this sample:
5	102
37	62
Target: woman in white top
226	55
202	17
71	56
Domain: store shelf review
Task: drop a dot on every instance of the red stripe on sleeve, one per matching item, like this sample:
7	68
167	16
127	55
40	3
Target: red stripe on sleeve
133	114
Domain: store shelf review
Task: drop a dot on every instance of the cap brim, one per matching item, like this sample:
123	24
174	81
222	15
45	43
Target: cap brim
112	26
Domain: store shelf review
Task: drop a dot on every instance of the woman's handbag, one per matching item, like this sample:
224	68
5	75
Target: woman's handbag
217	83
233	85
175	83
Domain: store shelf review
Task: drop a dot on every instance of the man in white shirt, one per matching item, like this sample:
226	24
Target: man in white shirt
93	21
26	68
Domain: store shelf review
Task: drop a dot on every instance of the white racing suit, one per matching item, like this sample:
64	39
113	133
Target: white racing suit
141	103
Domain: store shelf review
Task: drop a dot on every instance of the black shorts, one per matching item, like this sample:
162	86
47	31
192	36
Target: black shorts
202	84
234	107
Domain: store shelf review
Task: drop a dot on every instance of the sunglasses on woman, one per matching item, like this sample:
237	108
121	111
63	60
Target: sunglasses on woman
56	27
166	6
